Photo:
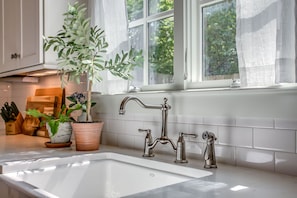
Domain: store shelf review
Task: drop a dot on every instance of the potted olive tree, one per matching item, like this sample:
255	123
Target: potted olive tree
81	50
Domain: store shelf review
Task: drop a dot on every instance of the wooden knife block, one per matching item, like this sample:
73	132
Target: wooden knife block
14	127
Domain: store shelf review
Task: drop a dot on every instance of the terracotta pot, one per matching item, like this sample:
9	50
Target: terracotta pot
87	135
63	135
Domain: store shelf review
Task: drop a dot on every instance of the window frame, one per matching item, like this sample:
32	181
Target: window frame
187	67
195	35
144	23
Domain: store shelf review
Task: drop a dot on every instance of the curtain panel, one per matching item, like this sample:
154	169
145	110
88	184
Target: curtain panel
111	16
266	41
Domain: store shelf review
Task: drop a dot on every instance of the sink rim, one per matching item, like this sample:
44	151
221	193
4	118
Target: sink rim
8	168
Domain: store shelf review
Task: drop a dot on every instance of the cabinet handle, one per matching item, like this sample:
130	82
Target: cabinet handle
15	56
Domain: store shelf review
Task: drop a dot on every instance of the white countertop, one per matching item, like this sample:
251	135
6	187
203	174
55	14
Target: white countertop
254	183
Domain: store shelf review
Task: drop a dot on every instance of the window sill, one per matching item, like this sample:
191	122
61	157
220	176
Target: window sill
285	86
250	90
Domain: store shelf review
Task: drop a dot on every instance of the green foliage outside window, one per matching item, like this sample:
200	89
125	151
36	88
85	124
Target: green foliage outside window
134	9
161	53
220	45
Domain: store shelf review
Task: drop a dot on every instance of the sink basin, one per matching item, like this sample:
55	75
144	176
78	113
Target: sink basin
96	175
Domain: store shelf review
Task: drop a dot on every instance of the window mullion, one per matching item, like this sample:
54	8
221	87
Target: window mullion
145	44
179	44
160	16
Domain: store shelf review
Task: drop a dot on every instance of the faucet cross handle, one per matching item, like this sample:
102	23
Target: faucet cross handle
147	152
181	147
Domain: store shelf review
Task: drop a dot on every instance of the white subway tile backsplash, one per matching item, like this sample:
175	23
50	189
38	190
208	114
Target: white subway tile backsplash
225	154
235	136
109	139
105	121
195	148
115	126
189	119
104	116
175	128
255	122
126	141
253	158
131	127
285	124
286	163
273	139
139	142
155	128
126	116
170	118
148	117
225	121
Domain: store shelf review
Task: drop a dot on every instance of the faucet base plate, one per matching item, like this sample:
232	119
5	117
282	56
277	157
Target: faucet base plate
210	166
148	155
181	161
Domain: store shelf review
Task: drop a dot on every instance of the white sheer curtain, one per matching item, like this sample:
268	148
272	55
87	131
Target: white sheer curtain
265	41
111	16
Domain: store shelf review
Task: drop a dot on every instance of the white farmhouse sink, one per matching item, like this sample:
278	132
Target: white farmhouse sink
97	175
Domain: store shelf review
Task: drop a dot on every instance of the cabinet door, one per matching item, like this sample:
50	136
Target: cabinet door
31	29
11	38
21	34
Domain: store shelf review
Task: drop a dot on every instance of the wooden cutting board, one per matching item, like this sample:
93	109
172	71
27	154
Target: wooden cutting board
42	103
55	91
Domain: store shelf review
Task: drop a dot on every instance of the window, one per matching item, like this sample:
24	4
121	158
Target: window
210	43
202	43
219	55
151	29
212	59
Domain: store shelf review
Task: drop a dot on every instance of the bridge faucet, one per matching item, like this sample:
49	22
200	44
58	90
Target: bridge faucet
163	139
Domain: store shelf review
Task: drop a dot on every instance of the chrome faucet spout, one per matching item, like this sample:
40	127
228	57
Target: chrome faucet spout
138	101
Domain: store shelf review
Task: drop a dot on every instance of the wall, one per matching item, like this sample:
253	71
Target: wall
255	128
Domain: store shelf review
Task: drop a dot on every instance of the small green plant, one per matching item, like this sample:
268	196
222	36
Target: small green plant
63	116
79	100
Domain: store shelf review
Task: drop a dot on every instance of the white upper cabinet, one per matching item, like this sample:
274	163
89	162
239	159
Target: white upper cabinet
22	25
20	34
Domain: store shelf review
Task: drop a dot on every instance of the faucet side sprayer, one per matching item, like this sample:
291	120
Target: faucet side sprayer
209	153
